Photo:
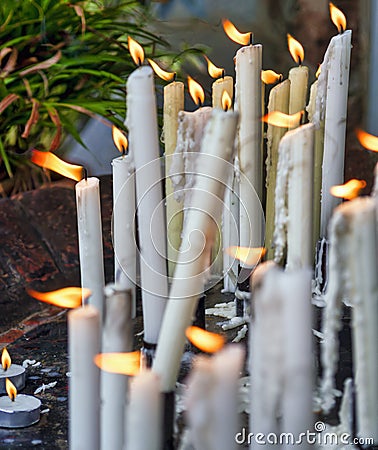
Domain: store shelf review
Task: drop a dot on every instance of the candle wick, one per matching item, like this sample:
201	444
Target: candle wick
251	38
85	173
174	76
223	72
123	151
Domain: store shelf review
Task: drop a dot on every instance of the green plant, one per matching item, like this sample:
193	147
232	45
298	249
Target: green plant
61	60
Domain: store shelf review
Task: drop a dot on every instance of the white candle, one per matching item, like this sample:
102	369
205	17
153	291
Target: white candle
124	210
90	239
84	385
333	99
298	77
117	337
198	233
144	423
144	145
21	412
218	87
248	103
173	104
295	183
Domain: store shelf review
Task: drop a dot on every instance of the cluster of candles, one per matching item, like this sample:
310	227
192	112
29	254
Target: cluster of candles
204	178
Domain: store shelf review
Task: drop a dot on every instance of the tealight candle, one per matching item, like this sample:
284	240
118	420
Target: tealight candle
21	412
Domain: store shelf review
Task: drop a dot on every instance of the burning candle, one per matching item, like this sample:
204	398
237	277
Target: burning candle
173	104
117	337
221	84
298	77
14	372
18	410
248	62
198	233
332	100
141	122
278	101
84	400
124	240
89	223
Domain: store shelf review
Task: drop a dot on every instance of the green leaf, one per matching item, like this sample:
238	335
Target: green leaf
5	158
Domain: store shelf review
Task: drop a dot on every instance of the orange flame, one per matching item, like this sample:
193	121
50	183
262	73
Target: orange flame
226	101
234	34
205	340
317	73
295	48
280	119
50	161
122	363
349	190
196	91
338	18
11	389
119	139
247	255
136	51
166	76
69	297
270	76
6	361
369	141
214	71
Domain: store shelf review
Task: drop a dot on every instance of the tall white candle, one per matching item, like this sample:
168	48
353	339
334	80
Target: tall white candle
90	239
117	337
124	210
248	62
294	188
144	423
84	383
198	234
333	99
144	145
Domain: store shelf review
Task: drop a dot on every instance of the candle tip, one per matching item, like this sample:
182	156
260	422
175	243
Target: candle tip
85	174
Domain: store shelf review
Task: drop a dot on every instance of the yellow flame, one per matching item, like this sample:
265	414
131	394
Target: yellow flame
349	190
280	119
296	49
69	297
50	161
234	34
214	71
119	139
270	76
127	363
338	18
205	340
247	255
6	361
369	141
318	72
226	101
196	91
11	389
136	51
166	76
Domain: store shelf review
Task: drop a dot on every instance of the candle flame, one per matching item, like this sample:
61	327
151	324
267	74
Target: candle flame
317	73
234	34
338	18
270	76
349	190
248	255
119	139
369	141
196	91
6	361
136	51
226	101
11	389
127	363
69	297
296	49
214	71
280	119
166	76
205	340
50	161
